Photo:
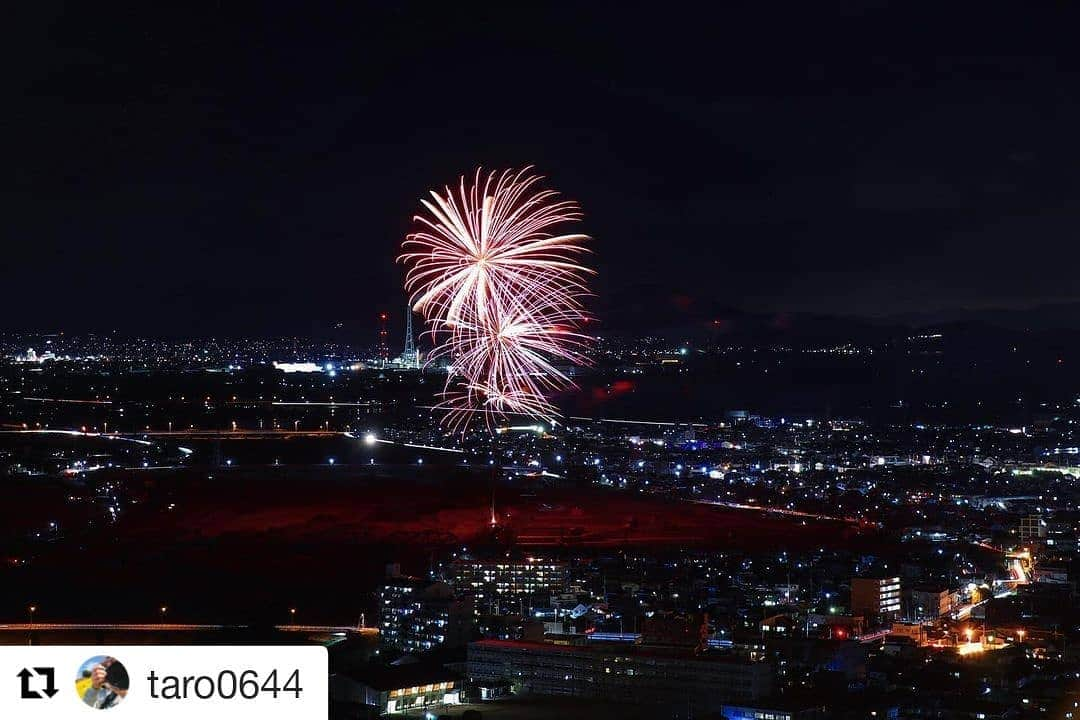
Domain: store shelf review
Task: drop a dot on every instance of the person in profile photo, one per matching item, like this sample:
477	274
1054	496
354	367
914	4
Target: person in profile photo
102	682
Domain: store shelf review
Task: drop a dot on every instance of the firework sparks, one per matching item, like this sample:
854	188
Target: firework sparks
501	293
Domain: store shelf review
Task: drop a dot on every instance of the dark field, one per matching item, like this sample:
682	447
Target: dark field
245	545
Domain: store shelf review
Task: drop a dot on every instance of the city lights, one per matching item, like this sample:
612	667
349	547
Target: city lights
757	397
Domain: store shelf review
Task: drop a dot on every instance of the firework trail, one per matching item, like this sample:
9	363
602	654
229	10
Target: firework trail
501	293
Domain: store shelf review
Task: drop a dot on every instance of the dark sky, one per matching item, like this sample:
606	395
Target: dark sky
252	169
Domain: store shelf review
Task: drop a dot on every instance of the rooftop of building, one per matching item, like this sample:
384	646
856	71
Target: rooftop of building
611	649
398	677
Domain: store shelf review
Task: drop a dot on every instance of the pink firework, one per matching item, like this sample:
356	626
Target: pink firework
509	366
502	294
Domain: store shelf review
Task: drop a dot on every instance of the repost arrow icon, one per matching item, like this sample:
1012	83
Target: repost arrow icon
50	680
27	693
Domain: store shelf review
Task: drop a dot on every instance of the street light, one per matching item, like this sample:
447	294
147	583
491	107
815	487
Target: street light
292	615
163	609
32	609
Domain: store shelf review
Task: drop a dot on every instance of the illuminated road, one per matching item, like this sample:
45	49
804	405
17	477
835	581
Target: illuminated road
964	611
661	423
227	434
190	433
986	546
372	440
315	404
78	433
872	637
65	400
780	511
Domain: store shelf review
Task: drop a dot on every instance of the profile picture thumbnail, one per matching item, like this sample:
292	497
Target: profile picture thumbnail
102	682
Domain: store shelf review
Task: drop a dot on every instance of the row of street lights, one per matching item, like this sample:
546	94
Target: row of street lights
163	610
32	609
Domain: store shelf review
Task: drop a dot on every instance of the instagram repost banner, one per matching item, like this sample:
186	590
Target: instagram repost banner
163	682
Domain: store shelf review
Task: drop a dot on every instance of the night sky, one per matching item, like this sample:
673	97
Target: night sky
252	170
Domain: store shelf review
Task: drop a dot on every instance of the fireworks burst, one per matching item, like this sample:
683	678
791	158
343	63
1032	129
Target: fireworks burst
501	293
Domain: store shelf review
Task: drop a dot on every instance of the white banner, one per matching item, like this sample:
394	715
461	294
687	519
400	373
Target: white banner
61	682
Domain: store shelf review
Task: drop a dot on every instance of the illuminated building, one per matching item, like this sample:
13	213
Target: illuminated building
620	673
775	710
929	602
298	367
506	585
395	689
417	615
33	357
876	598
1032	529
778	625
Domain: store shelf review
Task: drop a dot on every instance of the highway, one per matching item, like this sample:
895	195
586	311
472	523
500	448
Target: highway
780	511
223	434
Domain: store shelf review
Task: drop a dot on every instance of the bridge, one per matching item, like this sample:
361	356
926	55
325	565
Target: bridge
181	627
52	633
